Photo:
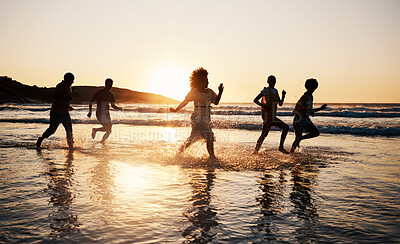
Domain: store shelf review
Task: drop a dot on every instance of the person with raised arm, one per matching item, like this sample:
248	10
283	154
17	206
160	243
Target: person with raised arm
270	100
202	96
302	112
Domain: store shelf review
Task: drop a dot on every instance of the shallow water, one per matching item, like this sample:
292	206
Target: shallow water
348	119
134	188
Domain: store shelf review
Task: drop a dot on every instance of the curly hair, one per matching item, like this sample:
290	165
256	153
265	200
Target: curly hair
196	77
311	83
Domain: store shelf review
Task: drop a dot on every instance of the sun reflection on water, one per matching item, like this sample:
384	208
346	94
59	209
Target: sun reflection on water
133	179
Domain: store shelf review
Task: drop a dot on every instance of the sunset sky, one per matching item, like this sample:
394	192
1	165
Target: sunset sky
352	47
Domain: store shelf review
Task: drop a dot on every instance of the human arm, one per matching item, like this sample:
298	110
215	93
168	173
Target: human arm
312	111
220	90
180	106
90	106
320	108
115	106
257	100
283	98
112	102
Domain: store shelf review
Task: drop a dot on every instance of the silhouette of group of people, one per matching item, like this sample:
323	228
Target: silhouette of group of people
61	106
302	112
202	97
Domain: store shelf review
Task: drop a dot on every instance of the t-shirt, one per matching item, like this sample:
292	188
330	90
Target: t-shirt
103	97
271	99
201	99
265	92
202	102
304	104
62	98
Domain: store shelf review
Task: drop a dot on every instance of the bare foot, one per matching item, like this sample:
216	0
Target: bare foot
255	152
213	158
282	150
294	146
213	162
39	142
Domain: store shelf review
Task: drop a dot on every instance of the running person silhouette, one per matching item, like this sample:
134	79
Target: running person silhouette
270	100
302	113
202	96
104	97
59	112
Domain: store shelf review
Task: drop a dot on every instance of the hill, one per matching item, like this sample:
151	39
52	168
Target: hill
12	91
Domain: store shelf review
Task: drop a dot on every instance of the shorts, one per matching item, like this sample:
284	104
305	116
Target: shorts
201	128
104	119
301	122
55	121
269	117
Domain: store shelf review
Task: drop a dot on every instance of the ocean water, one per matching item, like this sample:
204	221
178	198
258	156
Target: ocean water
341	187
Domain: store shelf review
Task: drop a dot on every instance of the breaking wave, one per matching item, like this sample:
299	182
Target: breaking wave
359	130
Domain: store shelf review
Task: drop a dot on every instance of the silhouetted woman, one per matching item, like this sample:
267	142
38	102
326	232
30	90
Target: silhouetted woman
202	96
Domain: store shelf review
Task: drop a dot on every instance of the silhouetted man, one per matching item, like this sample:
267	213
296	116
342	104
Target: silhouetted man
270	100
302	112
60	110
104	97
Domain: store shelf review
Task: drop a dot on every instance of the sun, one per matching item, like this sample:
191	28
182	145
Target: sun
170	81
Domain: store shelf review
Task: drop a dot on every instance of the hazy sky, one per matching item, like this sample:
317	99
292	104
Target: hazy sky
352	47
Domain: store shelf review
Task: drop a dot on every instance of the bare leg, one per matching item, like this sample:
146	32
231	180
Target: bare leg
105	136
105	121
39	142
68	129
264	133
298	130
54	122
295	144
283	137
70	142
95	130
186	144
104	128
285	128
313	132
107	129
210	148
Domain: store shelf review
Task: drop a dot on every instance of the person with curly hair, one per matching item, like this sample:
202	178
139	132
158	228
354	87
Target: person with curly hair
202	96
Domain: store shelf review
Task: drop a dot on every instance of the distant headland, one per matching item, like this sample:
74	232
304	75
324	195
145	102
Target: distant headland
12	91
